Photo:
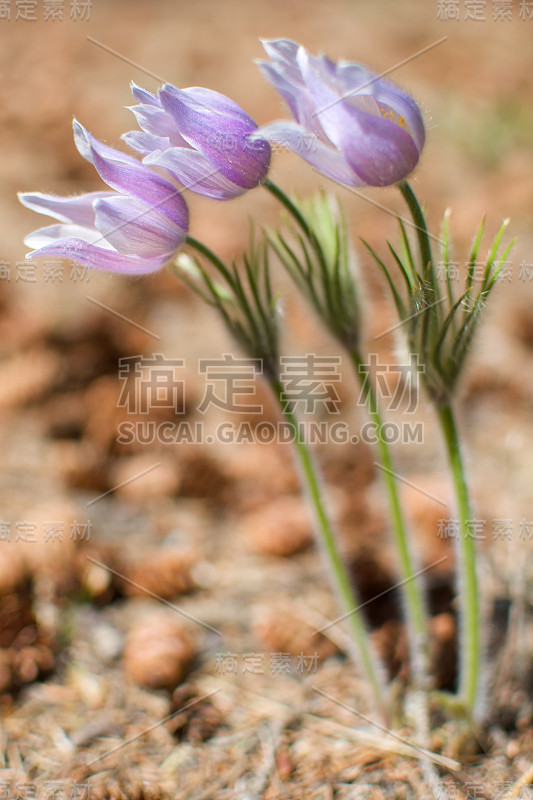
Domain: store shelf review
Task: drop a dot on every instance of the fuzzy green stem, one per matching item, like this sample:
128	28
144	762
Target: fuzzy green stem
470	634
204	250
310	235
421	229
291	207
337	568
414	598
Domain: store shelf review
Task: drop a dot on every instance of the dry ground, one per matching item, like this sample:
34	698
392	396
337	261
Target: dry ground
218	532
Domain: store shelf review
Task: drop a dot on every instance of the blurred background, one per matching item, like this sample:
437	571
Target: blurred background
220	522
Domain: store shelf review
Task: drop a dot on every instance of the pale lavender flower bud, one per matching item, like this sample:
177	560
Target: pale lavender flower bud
202	138
351	125
137	228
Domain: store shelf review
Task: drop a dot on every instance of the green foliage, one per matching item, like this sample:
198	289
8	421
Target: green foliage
317	256
243	297
438	324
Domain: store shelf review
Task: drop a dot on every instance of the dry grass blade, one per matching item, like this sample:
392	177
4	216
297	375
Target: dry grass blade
516	790
388	743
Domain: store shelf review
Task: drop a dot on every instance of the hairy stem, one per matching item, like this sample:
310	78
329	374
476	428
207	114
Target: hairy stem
338	572
469	605
470	633
411	584
421	229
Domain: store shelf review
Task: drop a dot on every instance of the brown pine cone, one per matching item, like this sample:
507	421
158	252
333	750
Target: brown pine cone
25	651
202	475
197	720
279	528
259	473
15	615
6	676
49	553
281	630
27	376
162	572
28	663
145	476
13	572
158	653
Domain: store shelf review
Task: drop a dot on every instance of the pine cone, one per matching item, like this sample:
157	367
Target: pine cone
163	572
158	653
281	528
138	479
13	571
197	721
259	474
26	377
281	630
26	652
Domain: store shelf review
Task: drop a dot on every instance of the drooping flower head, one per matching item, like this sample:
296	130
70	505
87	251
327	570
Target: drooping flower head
202	138
134	229
350	125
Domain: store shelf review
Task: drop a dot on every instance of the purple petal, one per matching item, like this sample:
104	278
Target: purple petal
357	83
325	159
376	127
381	153
134	228
309	116
378	150
66	209
321	66
156	121
133	178
287	89
83	141
283	53
222	138
127	175
143	96
283	73
406	113
145	142
90	255
353	77
211	100
321	94
320	108
195	172
51	234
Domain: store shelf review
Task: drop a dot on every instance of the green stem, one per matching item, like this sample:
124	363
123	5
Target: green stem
414	599
337	568
470	633
310	235
212	257
421	229
256	331
291	207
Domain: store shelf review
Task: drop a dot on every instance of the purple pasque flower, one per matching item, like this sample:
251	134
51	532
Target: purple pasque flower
134	229
351	125
202	138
